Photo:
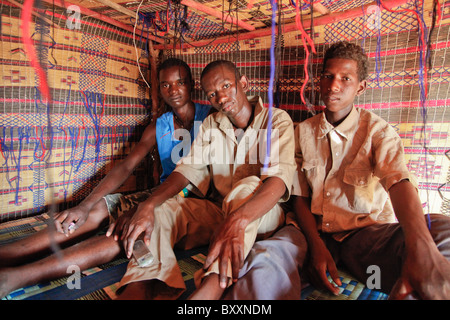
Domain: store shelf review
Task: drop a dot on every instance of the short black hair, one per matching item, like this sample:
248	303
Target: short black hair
347	50
174	62
228	64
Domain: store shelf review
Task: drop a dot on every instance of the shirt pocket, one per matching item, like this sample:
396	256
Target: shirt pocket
312	171
358	189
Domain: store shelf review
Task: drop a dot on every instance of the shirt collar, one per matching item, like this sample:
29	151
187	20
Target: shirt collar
344	129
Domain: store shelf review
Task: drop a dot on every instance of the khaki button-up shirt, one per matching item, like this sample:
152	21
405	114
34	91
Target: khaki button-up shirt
220	156
347	170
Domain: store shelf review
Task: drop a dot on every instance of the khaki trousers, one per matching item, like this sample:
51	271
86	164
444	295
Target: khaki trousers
189	223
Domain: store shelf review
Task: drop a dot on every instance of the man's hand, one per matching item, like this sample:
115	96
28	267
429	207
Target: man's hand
131	224
227	245
425	275
320	260
71	219
319	263
425	271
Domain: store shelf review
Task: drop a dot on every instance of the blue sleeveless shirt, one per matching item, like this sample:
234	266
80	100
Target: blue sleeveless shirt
167	139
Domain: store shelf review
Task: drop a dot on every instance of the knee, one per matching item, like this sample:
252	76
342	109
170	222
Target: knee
99	214
241	192
169	214
247	185
441	218
289	242
440	231
438	223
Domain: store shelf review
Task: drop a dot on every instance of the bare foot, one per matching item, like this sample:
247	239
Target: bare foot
7	282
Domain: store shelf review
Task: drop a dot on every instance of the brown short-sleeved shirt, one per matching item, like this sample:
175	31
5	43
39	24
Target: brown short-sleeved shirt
347	170
220	156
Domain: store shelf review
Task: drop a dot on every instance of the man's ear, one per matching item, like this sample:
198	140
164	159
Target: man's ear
362	87
244	82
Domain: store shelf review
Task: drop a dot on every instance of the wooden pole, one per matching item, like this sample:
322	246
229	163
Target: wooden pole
118	7
212	12
320	8
318	21
35	14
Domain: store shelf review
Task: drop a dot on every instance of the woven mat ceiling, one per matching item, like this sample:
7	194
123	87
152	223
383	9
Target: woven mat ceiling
193	21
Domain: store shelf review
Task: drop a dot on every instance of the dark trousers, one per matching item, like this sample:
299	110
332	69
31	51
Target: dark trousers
382	245
271	270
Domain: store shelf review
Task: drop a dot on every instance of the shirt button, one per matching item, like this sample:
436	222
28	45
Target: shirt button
327	225
328	194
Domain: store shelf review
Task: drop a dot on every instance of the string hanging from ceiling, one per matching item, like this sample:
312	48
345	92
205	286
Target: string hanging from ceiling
306	40
44	89
271	82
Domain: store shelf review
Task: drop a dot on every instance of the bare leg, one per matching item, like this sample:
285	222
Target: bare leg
86	254
39	243
209	289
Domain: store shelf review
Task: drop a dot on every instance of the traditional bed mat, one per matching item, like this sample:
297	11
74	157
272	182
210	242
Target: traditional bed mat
350	289
100	283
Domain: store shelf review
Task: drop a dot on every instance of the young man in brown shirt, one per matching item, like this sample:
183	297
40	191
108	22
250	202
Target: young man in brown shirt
351	180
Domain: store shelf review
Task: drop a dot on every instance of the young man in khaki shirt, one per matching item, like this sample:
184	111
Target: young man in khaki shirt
349	163
237	193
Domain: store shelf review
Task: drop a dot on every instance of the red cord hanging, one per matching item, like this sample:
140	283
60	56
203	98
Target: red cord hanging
30	50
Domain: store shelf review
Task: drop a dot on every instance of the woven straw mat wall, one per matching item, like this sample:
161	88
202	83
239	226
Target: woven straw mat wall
57	152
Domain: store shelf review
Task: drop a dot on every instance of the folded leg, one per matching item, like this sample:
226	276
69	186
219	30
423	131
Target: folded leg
272	268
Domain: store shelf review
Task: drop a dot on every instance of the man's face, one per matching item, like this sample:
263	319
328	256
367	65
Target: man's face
175	86
339	85
225	93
